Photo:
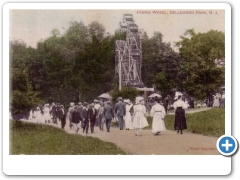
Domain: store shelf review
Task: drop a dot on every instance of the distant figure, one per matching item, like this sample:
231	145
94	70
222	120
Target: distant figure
76	119
54	113
69	115
80	107
158	113
108	115
30	117
180	120
191	103
46	113
128	117
139	119
101	116
38	117
166	103
10	115
216	102
62	116
204	104
85	119
199	104
97	106
222	102
92	112
120	110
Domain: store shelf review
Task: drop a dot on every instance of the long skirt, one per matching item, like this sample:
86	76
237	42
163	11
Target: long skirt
180	120
128	121
139	120
158	124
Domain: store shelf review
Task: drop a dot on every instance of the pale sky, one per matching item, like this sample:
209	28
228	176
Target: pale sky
31	26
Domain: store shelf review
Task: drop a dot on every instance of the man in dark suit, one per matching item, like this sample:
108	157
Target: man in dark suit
80	107
76	119
54	112
85	120
62	116
92	113
120	111
108	115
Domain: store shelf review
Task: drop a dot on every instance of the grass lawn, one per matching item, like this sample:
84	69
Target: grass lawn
210	122
40	139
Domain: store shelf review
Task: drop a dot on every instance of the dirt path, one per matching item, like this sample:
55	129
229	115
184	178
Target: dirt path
168	143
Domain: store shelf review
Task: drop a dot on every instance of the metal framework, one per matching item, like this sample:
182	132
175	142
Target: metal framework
128	54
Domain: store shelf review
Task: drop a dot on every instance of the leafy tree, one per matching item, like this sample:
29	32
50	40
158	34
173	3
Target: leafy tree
95	64
22	95
161	64
199	51
22	98
127	92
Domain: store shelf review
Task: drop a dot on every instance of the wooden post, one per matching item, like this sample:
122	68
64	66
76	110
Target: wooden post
145	90
145	96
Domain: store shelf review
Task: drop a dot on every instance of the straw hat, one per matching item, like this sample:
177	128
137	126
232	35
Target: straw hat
139	99
127	101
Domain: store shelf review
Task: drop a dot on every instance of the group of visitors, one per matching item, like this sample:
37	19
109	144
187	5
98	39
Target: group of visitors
219	100
130	116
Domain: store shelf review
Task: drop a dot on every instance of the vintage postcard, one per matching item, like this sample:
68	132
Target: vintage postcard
106	81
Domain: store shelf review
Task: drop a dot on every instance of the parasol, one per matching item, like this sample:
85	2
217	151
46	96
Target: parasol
105	96
154	95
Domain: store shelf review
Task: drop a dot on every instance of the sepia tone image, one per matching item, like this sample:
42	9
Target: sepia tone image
116	82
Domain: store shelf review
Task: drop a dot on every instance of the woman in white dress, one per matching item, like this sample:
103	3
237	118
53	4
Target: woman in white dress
46	113
30	117
139	119
216	102
69	115
38	117
128	117
158	113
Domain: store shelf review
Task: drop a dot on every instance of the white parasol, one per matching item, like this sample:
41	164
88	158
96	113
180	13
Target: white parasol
105	96
154	95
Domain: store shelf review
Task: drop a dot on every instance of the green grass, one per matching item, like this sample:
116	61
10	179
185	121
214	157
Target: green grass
37	139
210	122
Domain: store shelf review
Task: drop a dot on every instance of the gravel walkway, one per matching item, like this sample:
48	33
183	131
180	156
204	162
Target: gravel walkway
167	143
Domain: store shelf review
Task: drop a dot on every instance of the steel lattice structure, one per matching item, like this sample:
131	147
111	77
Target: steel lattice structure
128	54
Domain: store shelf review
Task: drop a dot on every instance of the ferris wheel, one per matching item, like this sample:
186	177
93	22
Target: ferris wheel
128	54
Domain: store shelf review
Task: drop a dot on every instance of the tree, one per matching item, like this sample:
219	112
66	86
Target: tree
199	51
22	98
161	64
127	92
22	95
96	64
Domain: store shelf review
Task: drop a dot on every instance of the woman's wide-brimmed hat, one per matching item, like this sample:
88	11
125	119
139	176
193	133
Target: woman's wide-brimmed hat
177	94
139	99
127	101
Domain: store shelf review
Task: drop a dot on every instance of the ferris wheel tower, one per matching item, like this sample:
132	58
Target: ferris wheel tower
128	54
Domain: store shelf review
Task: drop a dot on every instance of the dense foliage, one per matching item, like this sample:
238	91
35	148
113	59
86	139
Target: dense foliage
200	74
126	92
79	65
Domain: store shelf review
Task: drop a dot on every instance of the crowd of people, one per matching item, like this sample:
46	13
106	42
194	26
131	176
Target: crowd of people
129	115
100	114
